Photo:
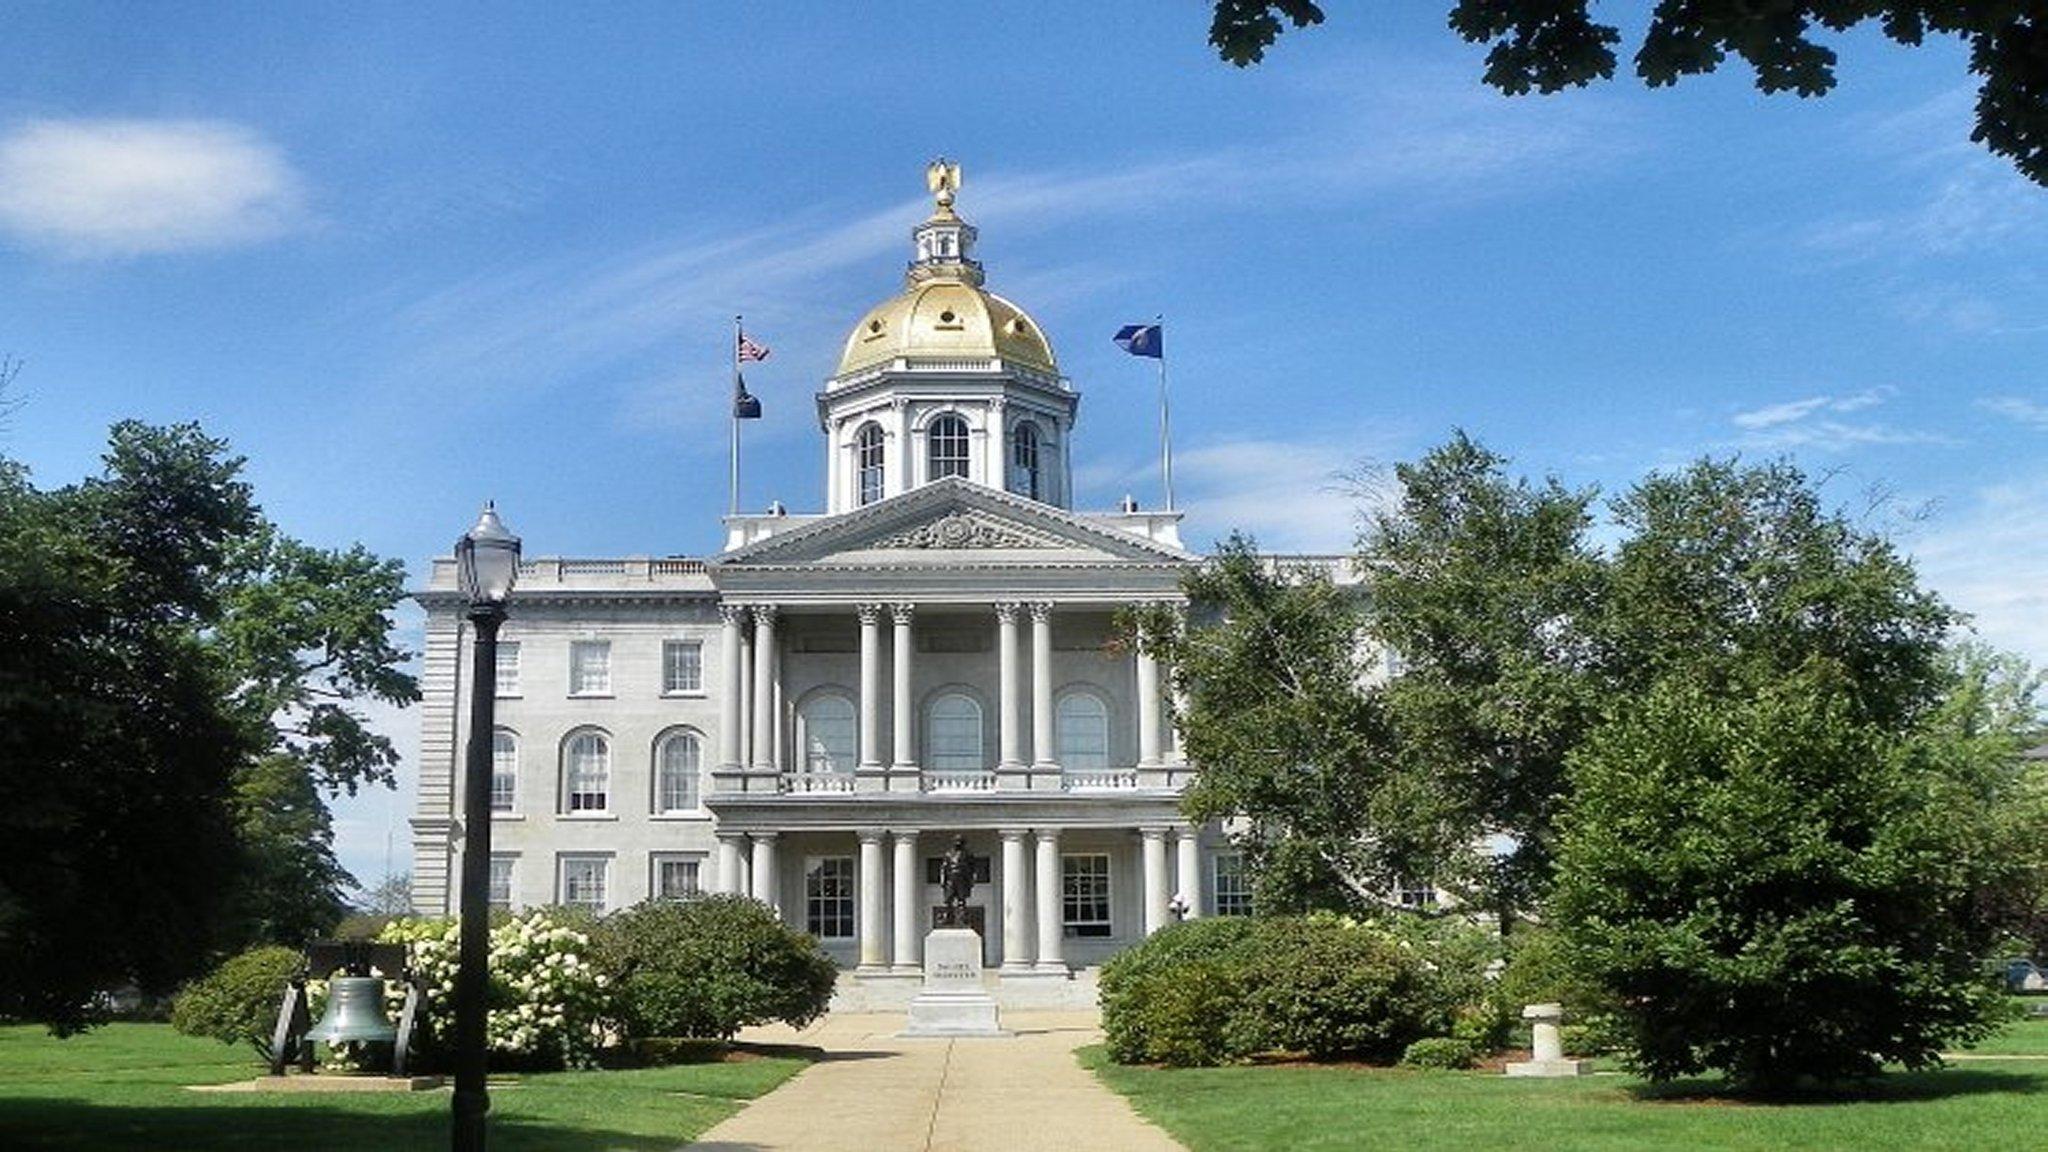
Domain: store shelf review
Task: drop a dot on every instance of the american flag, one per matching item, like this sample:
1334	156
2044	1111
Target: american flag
751	351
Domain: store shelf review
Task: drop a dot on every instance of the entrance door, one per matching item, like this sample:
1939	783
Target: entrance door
977	919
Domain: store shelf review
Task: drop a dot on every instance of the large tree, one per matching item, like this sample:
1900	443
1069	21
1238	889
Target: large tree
1780	840
1549	45
179	683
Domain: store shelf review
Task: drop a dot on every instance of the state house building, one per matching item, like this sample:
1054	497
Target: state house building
813	714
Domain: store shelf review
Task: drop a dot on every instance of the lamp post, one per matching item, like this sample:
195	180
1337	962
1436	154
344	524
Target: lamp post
486	567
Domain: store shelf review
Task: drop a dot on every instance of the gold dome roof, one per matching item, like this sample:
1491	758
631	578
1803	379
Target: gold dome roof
944	313
946	320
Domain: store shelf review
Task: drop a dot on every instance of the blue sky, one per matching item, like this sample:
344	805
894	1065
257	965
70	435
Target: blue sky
406	260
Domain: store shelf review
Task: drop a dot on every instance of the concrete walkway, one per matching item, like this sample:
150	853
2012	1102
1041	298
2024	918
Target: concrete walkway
876	1092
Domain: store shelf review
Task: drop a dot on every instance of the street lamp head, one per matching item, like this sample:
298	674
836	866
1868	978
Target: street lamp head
487	561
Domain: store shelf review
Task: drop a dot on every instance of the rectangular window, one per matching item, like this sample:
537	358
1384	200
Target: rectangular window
828	897
1232	887
501	881
682	666
583	881
508	668
504	771
676	877
1084	894
1415	893
590	668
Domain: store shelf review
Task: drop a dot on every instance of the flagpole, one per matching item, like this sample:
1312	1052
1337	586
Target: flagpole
1165	418
733	413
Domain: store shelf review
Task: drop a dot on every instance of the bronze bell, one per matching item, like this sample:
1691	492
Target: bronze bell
355	1012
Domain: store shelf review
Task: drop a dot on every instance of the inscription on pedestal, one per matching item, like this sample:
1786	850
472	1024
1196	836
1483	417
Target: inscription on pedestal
953	1002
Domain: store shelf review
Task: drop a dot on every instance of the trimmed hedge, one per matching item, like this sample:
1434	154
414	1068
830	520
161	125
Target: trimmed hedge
237	1002
709	966
1447	1053
1215	990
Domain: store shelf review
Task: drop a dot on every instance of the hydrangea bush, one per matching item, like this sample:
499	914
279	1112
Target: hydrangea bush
546	1000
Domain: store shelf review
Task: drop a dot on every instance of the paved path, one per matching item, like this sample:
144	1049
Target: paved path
876	1092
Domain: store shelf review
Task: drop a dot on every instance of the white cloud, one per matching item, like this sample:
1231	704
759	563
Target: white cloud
1990	559
1813	422
134	187
2018	409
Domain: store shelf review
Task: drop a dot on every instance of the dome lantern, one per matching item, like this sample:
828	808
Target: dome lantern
945	240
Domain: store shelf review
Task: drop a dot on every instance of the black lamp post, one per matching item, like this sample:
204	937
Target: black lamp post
486	567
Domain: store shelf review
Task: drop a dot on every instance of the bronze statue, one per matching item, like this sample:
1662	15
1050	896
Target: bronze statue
956	883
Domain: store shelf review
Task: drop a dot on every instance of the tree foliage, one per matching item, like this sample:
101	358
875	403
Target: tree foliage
1550	45
709	966
178	683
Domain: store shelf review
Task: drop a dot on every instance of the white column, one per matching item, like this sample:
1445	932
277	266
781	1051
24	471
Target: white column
729	721
1016	902
1155	878
766	890
870	685
1043	748
764	688
1187	862
907	886
1148	708
1050	930
747	688
902	707
874	956
1008	714
730	879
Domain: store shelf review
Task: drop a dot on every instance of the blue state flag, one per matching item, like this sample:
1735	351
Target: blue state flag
1142	340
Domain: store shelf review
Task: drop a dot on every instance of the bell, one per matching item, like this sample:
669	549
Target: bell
355	1012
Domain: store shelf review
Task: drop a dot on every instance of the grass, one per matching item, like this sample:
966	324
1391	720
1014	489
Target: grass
123	1086
1984	1104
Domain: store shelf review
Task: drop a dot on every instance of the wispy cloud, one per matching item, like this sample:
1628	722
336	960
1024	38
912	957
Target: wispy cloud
2019	409
1816	422
1990	559
135	187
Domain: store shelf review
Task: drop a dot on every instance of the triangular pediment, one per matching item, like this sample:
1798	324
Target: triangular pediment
952	521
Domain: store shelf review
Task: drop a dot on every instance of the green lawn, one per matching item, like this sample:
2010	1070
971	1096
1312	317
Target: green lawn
123	1087
1981	1106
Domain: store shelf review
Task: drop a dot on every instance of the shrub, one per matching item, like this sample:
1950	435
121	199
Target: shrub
1448	1053
710	966
237	1002
1210	991
546	996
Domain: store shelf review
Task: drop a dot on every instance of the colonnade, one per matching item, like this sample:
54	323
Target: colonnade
891	892
750	704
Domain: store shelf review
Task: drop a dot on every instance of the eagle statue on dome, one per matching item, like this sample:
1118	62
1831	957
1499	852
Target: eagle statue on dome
942	176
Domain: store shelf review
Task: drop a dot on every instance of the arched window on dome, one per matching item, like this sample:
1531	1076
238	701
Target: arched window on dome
868	457
1081	724
1024	456
953	734
946	447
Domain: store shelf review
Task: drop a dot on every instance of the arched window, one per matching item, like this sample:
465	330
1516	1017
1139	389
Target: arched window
1081	722
953	734
677	760
867	447
587	773
504	770
830	741
1024	471
946	446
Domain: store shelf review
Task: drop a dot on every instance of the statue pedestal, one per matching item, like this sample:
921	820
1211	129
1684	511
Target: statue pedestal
953	1002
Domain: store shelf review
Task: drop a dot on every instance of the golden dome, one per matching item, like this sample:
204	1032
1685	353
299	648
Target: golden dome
946	320
944	313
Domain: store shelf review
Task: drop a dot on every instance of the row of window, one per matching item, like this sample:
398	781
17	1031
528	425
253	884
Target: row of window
586	783
948	453
831	742
590	667
1085	910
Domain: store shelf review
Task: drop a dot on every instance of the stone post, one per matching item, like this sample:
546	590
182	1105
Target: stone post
1187	860
907	888
764	688
731	880
902	705
1050	928
1044	749
1011	768
1156	896
766	889
1547	1057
